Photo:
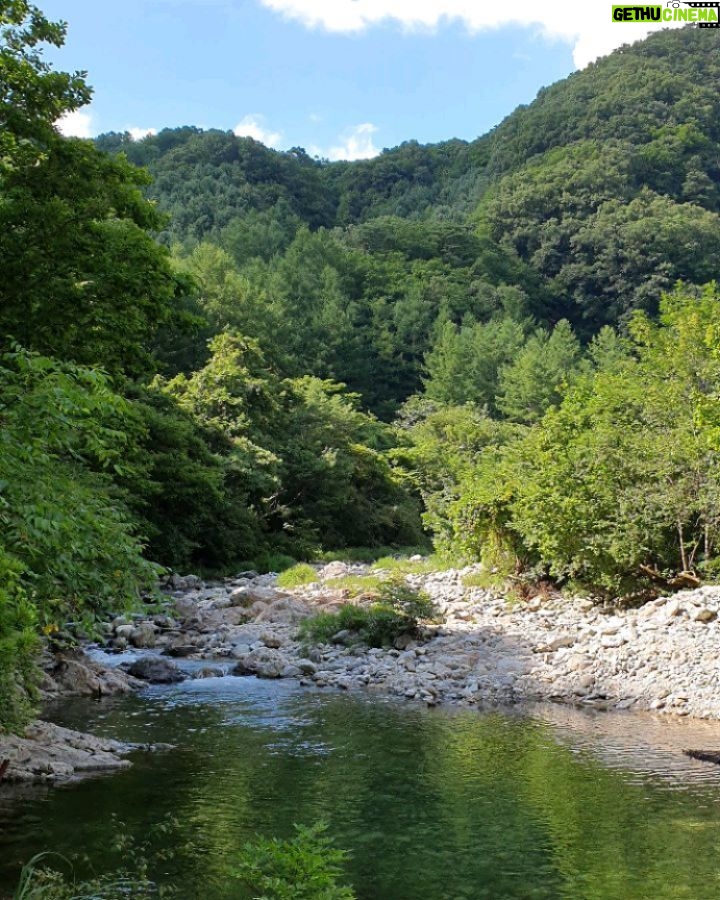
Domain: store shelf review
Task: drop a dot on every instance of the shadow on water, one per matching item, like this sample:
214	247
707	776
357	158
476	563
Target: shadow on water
546	802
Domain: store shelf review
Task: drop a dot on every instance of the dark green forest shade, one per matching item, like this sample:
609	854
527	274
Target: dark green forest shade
431	804
239	356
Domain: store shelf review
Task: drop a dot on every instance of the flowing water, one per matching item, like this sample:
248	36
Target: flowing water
432	804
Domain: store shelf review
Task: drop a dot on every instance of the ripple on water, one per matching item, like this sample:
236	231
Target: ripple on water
548	802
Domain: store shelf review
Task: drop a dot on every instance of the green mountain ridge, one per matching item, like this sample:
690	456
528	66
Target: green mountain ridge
634	95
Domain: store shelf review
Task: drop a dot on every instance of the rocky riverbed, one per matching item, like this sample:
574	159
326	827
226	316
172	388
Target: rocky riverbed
661	657
47	753
486	650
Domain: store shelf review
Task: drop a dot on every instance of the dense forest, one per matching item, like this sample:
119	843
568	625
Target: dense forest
217	355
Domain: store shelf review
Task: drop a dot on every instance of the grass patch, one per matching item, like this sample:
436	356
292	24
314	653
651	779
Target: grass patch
403	565
356	584
484	579
297	576
368	555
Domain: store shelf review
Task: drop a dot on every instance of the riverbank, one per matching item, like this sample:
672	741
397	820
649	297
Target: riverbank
486	651
48	754
660	657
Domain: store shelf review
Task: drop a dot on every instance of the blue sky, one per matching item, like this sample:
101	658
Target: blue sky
342	78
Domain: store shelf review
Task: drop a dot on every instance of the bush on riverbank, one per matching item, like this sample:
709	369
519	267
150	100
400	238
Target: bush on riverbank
305	867
395	611
616	484
68	548
18	643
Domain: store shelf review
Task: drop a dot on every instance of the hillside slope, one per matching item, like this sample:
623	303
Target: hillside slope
585	205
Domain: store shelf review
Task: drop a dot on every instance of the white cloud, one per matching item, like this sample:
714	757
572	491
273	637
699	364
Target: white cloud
355	143
137	134
253	126
587	26
75	124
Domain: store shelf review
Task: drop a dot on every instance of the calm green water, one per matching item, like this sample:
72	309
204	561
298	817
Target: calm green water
433	805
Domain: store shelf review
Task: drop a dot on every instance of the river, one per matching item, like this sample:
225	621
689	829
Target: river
432	804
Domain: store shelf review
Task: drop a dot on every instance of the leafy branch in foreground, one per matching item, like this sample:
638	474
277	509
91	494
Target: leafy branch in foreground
306	867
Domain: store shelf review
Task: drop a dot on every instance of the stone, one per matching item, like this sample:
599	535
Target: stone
611	627
577	662
673	609
404	642
273	641
156	670
181	651
185	607
184	583
144	636
49	753
124	631
705	615
74	673
559	642
285	611
343	637
334	570
247	596
611	641
208	672
263	663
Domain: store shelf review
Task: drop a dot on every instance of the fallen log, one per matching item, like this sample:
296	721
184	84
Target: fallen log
711	756
681	581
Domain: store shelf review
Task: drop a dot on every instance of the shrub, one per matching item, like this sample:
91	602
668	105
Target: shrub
306	867
396	611
18	643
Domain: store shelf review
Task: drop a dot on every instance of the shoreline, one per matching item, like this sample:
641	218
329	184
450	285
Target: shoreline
660	658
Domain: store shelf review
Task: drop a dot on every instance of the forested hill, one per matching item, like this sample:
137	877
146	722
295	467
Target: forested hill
659	95
583	206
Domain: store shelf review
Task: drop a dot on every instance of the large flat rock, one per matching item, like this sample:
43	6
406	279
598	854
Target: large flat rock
48	753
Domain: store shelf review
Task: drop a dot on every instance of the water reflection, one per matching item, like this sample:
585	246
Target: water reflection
432	804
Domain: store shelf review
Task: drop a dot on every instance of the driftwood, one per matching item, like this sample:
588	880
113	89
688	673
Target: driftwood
681	581
711	756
